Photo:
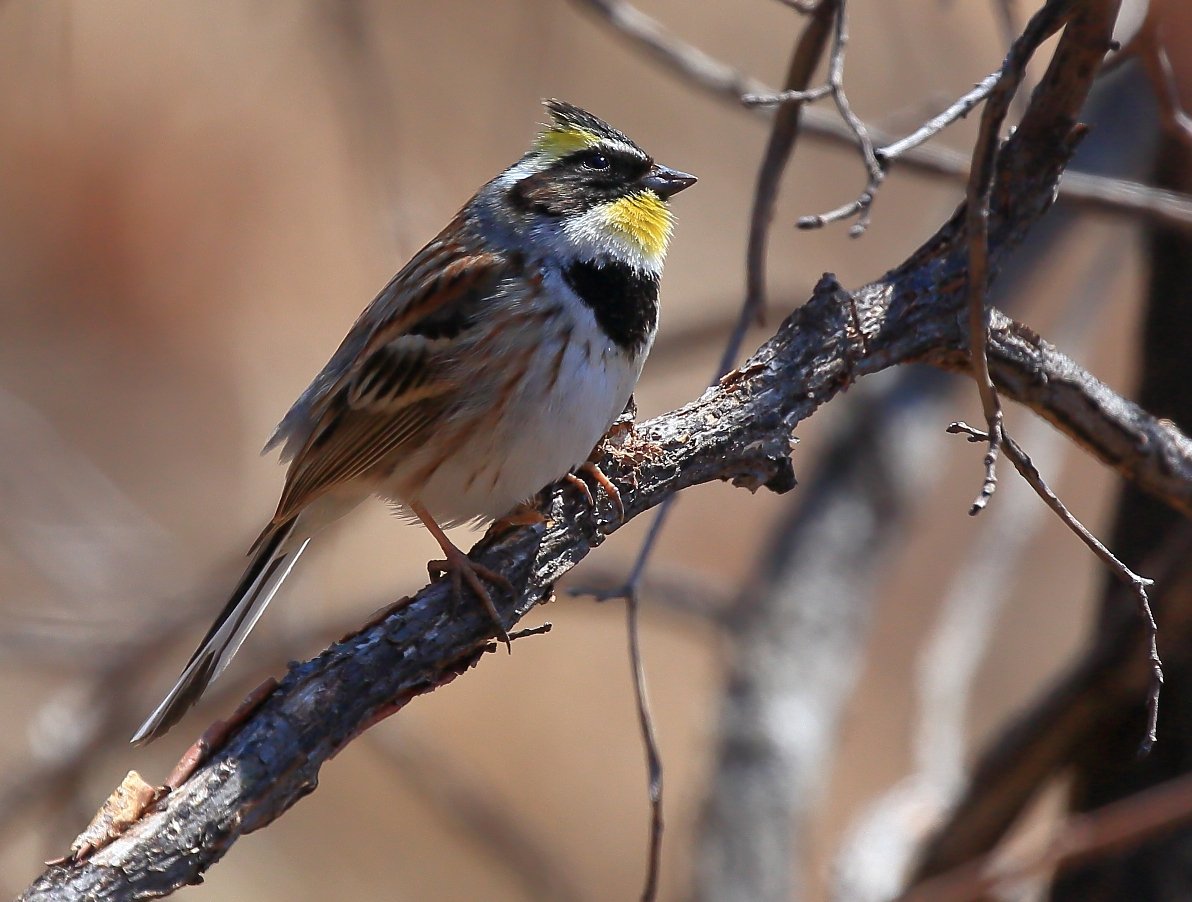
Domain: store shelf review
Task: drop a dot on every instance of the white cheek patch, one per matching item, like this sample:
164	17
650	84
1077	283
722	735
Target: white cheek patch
591	235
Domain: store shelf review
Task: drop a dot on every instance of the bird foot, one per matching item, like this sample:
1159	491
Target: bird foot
460	568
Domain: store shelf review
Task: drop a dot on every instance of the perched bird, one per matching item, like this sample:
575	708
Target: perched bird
490	366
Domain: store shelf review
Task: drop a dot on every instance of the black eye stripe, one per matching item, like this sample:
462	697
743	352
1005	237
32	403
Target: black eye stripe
568	186
623	164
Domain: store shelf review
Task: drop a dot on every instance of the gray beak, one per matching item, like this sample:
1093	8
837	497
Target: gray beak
664	181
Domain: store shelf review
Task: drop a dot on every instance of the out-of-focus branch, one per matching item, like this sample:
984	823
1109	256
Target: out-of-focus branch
797	636
881	844
1117	827
1042	740
473	807
809	51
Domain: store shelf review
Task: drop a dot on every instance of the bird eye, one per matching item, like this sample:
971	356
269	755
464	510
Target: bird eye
597	161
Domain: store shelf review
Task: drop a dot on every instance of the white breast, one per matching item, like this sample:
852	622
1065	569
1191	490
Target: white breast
576	382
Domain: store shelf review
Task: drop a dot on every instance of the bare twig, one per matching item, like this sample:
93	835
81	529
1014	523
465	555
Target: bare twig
784	97
1113	827
696	68
1137	584
650	743
955	111
873	167
693	64
805	58
678	590
980	186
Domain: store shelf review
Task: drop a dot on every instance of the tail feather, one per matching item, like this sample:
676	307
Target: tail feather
273	557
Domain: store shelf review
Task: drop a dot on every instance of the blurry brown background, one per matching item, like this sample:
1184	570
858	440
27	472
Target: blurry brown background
195	202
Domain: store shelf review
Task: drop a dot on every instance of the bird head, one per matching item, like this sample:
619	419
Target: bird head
592	187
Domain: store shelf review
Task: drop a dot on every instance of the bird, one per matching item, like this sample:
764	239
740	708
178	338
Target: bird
489	367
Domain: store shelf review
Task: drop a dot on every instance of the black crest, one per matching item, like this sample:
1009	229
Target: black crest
567	115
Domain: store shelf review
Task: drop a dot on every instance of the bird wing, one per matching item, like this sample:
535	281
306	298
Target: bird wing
386	385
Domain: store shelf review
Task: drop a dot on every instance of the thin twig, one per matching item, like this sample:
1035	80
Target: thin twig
1137	584
955	111
692	63
861	138
783	97
695	596
650	742
805	59
977	198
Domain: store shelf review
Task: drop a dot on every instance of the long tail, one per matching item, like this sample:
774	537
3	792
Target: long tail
273	558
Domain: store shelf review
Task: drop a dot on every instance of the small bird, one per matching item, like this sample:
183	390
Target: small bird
490	366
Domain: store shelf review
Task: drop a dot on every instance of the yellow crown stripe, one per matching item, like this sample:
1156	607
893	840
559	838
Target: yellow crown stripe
645	219
558	142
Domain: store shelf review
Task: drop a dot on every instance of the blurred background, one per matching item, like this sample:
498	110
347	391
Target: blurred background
196	200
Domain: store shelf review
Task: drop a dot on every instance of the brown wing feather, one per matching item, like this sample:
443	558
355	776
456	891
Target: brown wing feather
385	385
452	269
358	441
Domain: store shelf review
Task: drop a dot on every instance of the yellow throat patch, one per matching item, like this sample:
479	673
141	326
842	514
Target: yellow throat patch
645	219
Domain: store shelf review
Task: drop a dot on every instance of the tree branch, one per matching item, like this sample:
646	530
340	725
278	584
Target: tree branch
738	430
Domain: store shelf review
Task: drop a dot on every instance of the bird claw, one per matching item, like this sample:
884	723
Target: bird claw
459	567
592	469
581	487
